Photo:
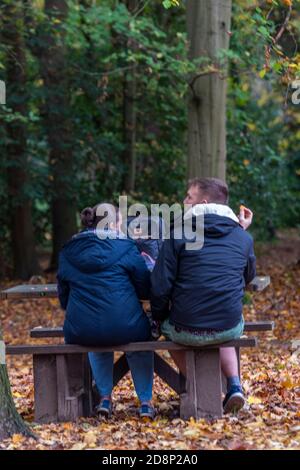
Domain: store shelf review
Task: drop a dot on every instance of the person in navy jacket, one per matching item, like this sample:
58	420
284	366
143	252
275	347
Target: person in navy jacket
101	278
197	294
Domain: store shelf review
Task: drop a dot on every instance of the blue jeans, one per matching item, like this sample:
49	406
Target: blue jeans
141	367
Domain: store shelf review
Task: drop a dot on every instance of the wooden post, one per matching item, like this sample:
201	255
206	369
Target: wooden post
87	400
45	388
188	399
208	383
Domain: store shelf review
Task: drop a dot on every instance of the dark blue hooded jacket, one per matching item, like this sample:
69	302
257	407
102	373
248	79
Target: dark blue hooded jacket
203	289
99	284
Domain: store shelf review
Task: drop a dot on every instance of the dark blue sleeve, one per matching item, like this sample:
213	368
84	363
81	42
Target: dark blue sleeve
250	269
138	273
162	280
63	289
63	286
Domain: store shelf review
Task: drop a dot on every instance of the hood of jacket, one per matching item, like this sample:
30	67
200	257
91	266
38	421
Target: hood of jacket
92	250
219	219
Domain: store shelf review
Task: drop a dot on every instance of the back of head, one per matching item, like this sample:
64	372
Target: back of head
213	190
102	216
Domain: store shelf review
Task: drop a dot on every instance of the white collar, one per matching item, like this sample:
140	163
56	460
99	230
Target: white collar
217	209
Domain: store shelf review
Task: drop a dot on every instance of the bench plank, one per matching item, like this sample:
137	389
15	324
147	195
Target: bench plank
138	346
30	291
259	283
57	332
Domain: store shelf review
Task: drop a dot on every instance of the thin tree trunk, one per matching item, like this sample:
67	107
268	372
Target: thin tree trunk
208	25
58	124
129	116
20	208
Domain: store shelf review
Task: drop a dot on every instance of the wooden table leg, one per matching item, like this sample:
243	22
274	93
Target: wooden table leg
208	383
188	399
45	388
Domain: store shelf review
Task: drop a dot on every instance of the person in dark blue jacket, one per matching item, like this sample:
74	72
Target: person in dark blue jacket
101	278
198	294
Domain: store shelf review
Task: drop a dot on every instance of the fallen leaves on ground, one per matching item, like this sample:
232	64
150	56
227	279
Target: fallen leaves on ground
271	378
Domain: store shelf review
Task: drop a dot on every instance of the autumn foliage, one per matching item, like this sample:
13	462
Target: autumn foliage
271	378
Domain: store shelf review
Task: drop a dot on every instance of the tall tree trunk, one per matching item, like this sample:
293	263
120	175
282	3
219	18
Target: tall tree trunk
21	225
10	420
208	25
58	123
129	115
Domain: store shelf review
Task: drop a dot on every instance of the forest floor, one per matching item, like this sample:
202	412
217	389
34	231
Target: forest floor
270	373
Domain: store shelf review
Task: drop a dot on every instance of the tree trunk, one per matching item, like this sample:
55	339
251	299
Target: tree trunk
10	420
21	225
58	123
129	115
208	25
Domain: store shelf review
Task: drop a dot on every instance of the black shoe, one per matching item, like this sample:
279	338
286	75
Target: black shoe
234	400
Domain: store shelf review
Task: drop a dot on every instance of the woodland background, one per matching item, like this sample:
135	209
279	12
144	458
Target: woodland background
105	97
109	97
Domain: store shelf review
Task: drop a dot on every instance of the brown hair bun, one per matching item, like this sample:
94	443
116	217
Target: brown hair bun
88	216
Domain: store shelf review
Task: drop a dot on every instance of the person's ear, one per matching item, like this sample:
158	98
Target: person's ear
111	226
204	201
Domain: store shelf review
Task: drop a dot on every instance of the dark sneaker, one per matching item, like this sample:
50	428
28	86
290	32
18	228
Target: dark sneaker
147	411
234	400
104	408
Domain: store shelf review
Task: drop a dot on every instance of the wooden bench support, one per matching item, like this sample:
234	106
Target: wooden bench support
161	368
120	369
202	397
62	387
167	373
45	388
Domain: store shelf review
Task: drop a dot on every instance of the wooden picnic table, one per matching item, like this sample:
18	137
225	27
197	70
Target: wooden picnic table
62	377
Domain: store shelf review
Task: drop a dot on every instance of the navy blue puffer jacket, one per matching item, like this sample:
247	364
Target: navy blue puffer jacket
203	289
100	282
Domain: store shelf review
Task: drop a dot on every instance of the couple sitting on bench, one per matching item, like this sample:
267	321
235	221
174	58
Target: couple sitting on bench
196	295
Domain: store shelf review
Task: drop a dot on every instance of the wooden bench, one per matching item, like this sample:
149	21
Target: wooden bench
63	383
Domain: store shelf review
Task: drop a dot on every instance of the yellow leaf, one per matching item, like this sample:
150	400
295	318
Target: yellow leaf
191	433
288	383
79	446
251	126
262	73
17	438
246	162
90	439
254	400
